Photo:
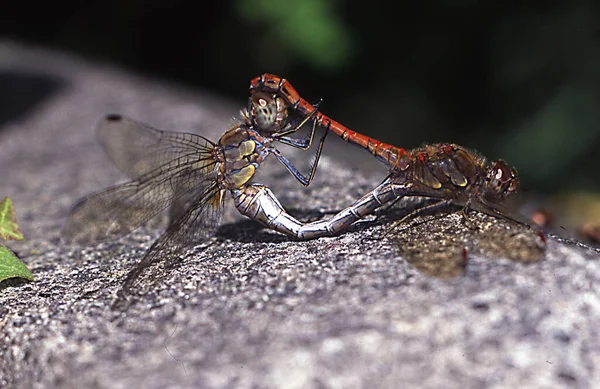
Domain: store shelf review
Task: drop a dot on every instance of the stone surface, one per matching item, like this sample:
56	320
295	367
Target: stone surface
251	308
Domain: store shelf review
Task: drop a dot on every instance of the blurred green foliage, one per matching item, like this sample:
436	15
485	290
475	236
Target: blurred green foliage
309	31
10	265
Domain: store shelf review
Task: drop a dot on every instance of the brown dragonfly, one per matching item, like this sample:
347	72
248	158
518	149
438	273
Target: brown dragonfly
445	172
190	174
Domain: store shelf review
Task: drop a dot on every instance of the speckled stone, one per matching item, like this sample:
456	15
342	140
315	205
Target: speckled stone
254	309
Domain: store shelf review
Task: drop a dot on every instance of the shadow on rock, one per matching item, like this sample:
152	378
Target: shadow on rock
441	246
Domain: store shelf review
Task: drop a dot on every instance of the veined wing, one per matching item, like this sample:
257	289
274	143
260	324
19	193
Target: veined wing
136	148
116	211
199	220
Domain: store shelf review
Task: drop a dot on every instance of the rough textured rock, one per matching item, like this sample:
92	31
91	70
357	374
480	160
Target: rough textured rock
251	308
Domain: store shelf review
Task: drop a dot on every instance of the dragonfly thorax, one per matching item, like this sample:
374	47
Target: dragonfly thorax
242	152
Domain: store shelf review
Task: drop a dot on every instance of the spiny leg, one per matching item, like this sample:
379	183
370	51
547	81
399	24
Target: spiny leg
468	222
293	170
515	218
304	145
440	204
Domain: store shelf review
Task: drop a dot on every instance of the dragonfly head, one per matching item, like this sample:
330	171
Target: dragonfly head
500	181
267	112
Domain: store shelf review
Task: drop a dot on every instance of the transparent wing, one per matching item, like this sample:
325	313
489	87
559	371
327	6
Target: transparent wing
166	166
195	224
136	148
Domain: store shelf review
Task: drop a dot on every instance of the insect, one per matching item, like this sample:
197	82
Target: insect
191	174
446	172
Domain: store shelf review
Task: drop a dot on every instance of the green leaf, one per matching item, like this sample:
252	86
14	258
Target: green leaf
8	221
12	267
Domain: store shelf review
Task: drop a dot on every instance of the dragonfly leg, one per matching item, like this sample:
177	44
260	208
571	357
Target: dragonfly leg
465	214
468	222
293	170
289	166
416	212
317	157
304	144
292	127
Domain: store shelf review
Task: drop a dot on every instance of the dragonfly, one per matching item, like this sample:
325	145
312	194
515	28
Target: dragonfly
444	172
190	174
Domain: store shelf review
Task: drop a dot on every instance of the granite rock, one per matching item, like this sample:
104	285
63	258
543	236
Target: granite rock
251	308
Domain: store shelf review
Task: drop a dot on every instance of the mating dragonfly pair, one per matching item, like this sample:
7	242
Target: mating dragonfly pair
192	174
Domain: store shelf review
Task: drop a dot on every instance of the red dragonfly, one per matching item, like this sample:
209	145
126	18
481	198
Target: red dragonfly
447	172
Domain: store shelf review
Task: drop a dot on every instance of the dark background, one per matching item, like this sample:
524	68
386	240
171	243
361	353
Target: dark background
513	79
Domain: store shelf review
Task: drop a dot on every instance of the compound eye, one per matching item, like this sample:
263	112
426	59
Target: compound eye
263	111
500	176
502	181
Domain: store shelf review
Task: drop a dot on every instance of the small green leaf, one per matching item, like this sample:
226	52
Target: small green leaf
8	221
12	267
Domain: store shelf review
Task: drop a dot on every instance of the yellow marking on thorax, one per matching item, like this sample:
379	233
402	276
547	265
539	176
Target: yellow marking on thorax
244	149
247	147
242	176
